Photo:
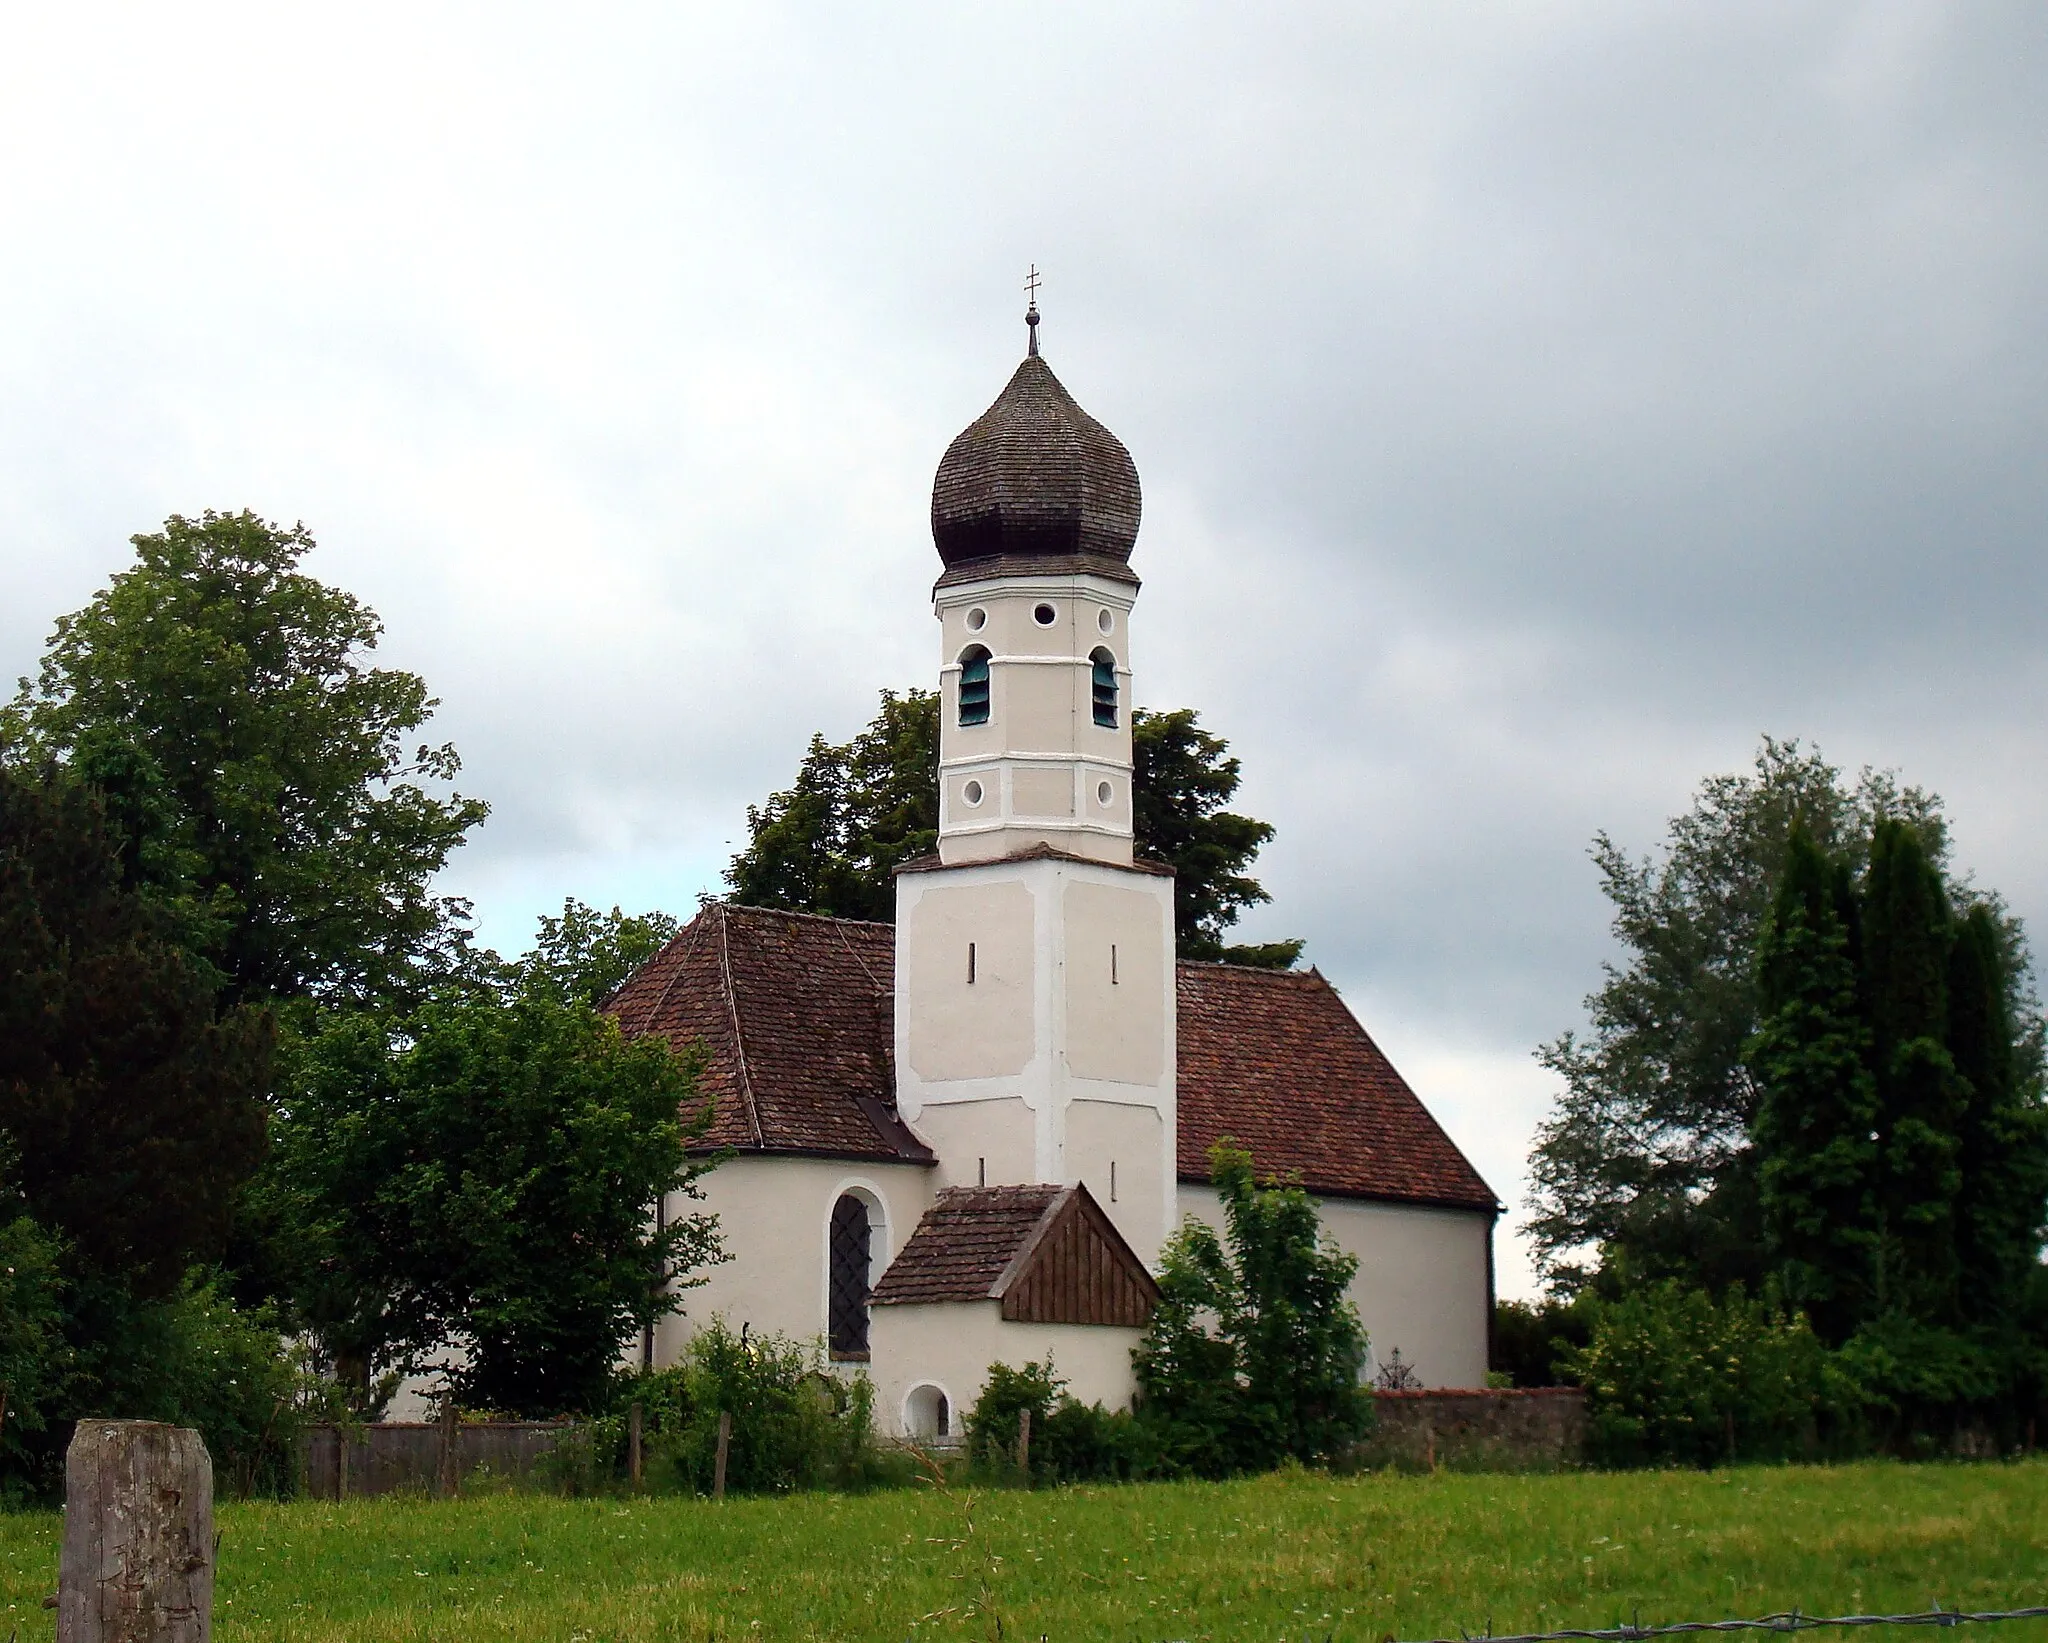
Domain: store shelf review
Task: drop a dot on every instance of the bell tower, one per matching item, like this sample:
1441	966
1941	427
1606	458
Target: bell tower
1035	958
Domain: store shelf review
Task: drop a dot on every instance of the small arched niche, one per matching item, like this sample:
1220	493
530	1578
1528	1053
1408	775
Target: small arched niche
928	1414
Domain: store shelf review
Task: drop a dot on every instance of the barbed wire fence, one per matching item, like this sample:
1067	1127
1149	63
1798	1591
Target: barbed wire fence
1789	1620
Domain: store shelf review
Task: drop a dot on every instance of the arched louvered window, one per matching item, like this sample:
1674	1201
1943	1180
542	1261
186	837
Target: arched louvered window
847	1304
1105	689
974	687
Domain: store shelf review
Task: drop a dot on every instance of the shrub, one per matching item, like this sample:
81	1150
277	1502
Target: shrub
1674	1376
794	1425
1528	1337
1253	1356
1071	1441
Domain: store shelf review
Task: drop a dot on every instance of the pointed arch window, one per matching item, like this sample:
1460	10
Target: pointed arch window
1104	689
974	687
847	1291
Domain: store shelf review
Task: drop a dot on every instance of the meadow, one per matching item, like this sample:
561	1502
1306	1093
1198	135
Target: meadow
1287	1556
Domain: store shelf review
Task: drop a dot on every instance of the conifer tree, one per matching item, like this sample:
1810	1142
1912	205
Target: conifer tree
1816	1116
1907	933
2003	1137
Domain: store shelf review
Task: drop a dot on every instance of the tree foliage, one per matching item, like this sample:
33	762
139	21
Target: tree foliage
1647	1150
831	842
130	1110
478	1170
1672	1374
1255	1350
254	769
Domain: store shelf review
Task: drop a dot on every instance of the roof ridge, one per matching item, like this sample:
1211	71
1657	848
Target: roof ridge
1310	974
749	909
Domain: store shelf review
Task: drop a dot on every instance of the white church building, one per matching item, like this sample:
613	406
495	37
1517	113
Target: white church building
963	1138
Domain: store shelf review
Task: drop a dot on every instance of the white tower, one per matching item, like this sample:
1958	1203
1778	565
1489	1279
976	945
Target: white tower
1035	959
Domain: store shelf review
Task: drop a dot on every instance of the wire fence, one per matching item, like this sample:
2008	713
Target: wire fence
1791	1620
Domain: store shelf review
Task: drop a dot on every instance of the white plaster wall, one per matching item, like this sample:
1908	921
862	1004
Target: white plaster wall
1421	1283
1120	1152
951	1345
1041	760
1092	1040
774	1216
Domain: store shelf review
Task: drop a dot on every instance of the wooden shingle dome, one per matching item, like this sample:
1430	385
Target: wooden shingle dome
1038	482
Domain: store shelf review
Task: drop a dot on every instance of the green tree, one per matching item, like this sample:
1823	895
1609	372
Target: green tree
1255	1350
33	1354
254	768
479	1172
2003	1137
831	842
131	1109
1181	779
585	956
1647	1151
1907	934
1815	1127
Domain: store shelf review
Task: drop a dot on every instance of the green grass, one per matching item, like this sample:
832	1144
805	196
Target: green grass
1278	1558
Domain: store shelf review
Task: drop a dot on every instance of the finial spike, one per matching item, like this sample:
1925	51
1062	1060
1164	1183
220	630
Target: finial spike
1031	285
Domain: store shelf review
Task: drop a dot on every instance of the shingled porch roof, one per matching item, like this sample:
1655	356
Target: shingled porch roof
796	1015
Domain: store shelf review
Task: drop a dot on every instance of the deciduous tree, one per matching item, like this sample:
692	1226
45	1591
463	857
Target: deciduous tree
258	773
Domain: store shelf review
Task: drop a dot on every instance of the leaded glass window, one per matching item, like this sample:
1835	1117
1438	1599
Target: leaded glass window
847	1318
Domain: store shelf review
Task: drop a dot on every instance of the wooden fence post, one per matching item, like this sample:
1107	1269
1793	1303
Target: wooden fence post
137	1561
1024	1444
633	1445
449	1416
724	1448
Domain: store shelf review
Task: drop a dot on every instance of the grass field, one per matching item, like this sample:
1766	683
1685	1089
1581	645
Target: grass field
1281	1557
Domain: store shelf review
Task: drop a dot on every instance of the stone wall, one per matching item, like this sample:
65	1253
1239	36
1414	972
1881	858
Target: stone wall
1541	1429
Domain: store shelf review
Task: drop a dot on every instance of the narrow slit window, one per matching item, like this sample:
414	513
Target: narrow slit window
1104	689
1112	964
974	687
1112	1180
970	964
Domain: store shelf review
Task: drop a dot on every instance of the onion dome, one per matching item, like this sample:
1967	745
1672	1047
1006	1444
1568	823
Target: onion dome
1035	478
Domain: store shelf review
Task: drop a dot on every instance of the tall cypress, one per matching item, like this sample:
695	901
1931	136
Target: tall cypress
2003	1134
1817	1111
1907	934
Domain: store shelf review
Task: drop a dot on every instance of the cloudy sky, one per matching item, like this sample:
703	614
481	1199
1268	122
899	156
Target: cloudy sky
1535	404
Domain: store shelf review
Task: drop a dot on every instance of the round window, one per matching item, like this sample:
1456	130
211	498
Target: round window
1104	793
1106	620
977	619
971	792
1045	616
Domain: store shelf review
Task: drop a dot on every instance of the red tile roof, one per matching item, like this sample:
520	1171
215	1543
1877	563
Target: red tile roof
965	1243
796	1014
1049	1254
1276	1060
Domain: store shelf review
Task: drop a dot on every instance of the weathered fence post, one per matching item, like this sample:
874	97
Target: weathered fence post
137	1561
449	1416
724	1448
633	1445
1024	1443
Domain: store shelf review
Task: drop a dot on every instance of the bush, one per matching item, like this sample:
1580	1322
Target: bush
1253	1356
794	1425
1071	1441
1528	1338
1673	1376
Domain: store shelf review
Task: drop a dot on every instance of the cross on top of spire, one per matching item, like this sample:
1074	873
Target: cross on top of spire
1032	281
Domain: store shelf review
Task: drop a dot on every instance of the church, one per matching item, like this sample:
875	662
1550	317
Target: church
964	1138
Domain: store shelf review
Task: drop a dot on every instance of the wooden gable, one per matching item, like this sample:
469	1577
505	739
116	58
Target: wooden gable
1077	1269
